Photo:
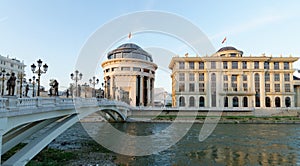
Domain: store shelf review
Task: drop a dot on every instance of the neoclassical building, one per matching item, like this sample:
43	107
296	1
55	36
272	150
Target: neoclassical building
129	74
229	79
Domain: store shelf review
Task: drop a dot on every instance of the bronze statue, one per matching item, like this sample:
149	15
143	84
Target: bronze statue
11	83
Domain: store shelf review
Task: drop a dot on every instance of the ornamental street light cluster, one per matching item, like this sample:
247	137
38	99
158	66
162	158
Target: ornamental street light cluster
76	78
33	84
21	80
39	71
94	82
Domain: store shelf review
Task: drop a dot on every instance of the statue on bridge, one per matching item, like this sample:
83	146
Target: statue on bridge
11	83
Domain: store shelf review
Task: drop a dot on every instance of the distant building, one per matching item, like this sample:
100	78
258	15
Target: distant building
229	79
129	74
11	65
161	97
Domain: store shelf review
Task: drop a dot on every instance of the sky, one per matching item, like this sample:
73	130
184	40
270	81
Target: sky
56	31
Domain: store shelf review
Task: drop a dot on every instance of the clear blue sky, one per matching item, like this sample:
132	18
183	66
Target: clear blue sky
56	30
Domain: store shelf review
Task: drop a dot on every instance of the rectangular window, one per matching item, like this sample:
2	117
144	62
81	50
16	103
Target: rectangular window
191	65
201	87
225	87
192	87
277	87
267	87
256	65
191	77
125	68
136	69
234	65
287	87
266	65
244	77
286	66
233	55
181	87
276	77
233	78
201	65
181	65
267	77
225	77
244	65
201	76
276	65
234	86
245	86
213	65
225	66
181	77
286	77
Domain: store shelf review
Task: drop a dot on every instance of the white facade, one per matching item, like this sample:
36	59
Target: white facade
129	75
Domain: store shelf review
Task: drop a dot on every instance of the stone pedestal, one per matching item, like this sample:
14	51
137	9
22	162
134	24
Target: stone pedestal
11	103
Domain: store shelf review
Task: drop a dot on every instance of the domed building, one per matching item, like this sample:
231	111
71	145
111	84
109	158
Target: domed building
129	74
227	79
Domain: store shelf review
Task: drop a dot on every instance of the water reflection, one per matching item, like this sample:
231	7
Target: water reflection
229	144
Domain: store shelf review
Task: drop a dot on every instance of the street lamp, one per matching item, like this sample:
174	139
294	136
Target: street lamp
33	84
21	80
2	73
76	78
94	82
39	72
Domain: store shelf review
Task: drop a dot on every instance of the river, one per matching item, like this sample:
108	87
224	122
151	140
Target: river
229	144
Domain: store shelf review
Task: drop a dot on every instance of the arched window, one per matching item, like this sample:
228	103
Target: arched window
245	102
277	102
181	101
257	90
235	102
268	102
201	102
192	101
225	101
287	101
213	90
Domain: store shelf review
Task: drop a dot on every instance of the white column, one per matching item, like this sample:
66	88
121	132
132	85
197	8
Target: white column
148	92
141	90
152	92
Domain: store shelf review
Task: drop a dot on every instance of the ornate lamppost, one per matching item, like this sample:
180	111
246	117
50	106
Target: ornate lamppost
94	82
33	84
21	80
39	71
3	78
76	78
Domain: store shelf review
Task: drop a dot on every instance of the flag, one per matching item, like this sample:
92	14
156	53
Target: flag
224	40
129	35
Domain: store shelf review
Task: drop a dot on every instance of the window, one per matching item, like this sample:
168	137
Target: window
225	65
234	65
232	55
267	87
181	65
287	87
192	101
125	68
245	86
201	87
277	87
181	77
191	65
225	87
276	65
181	87
268	102
244	65
267	77
192	87
245	102
225	101
286	65
181	101
213	65
233	78
266	65
201	76
201	101
244	77
213	90
276	77
225	77
256	65
201	65
287	101
235	102
191	77
257	82
277	102
234	82
136	69
286	77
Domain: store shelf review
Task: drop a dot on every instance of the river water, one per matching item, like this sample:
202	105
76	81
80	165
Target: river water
229	144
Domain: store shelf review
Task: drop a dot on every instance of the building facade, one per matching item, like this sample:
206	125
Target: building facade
8	66
229	79
129	74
